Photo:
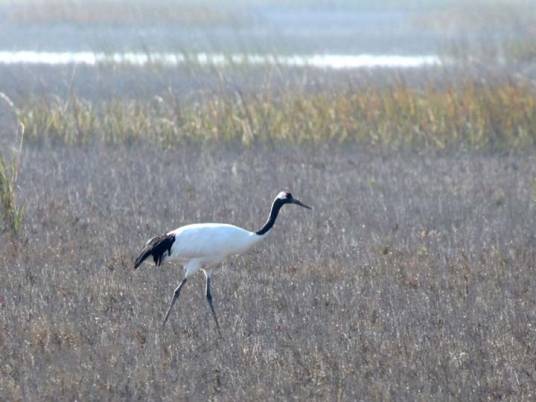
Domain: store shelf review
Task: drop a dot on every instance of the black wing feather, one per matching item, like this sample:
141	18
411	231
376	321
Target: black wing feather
156	247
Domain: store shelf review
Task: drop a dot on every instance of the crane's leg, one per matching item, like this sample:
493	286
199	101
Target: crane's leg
174	299
209	299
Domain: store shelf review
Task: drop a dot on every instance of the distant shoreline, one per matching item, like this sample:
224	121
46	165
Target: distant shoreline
322	61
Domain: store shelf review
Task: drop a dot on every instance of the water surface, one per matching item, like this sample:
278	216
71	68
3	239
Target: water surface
323	61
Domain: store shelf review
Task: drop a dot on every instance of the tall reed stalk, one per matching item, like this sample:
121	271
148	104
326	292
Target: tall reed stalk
10	211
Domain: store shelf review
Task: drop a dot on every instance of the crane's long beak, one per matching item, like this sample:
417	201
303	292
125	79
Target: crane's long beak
301	204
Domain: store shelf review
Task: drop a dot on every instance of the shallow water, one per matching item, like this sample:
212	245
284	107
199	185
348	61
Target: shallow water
324	61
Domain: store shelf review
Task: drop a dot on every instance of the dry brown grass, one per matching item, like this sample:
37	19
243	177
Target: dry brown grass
410	280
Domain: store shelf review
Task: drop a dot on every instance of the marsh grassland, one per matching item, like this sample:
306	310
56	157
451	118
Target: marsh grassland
412	278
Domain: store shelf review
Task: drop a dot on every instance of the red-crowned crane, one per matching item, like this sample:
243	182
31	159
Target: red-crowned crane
202	245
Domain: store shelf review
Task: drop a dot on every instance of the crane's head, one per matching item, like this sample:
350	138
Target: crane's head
285	197
282	198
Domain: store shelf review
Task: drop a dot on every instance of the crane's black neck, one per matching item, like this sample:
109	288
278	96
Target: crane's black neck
276	206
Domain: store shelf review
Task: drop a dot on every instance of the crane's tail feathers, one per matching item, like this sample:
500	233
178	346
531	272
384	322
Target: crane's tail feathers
157	247
143	255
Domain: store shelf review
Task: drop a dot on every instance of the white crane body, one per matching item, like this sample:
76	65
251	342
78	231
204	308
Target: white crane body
202	245
213	240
